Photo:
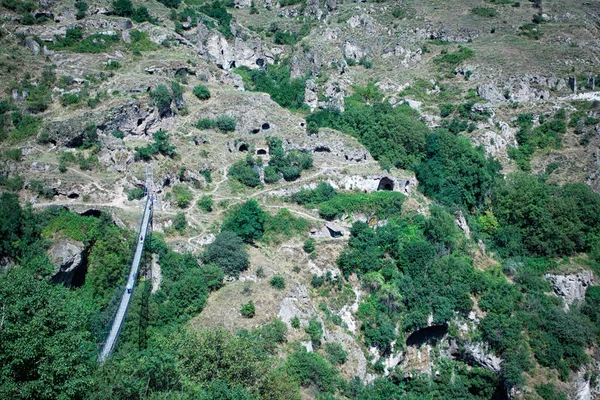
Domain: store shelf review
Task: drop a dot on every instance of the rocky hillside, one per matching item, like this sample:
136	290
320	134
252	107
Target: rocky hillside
408	190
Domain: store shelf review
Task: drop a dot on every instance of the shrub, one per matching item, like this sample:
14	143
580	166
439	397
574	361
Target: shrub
452	60
247	221
206	203
271	175
135	193
206	123
295	322
68	99
183	196
12	154
309	245
315	331
201	92
118	134
179	222
162	98
336	353
317	281
484	12
225	123
227	252
277	282
248	310
112	65
123	8
245	172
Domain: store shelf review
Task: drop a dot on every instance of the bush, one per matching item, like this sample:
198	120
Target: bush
245	172
453	60
113	65
160	146
201	92
295	322
312	369
277	82
206	203
123	8
336	353
135	194
225	123
179	222
248	310
484	12
315	331
12	154
247	221
309	245
183	196
277	282
227	252
206	123
162	98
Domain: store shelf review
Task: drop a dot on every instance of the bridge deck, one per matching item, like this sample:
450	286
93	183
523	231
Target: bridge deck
115	330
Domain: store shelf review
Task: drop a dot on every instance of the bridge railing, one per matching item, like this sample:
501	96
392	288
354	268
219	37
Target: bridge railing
109	344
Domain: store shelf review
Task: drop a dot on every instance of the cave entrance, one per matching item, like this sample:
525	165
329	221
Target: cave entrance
385	184
261	152
92	212
334	230
322	149
73	195
255	130
80	273
243	147
431	334
266	126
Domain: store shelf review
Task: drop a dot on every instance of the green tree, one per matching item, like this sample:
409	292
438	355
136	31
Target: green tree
277	282
201	92
227	252
179	222
247	221
225	123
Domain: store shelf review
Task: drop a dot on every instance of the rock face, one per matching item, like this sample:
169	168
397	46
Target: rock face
230	54
478	354
373	183
581	386
571	287
521	89
68	256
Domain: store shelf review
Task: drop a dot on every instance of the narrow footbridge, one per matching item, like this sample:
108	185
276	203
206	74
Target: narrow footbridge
119	318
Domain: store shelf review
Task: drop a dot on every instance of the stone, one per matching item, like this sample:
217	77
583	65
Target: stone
461	222
32	45
571	287
67	255
480	355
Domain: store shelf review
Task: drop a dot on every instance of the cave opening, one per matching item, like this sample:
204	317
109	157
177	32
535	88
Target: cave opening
431	334
261	152
385	184
73	195
322	149
243	147
266	126
92	212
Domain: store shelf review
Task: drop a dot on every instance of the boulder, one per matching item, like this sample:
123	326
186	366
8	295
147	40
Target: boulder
68	256
571	287
478	354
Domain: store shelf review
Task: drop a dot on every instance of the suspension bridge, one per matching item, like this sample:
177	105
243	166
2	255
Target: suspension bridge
145	228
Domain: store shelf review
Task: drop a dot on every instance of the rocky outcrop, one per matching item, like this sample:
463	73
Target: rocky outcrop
581	386
478	354
461	222
571	287
68	256
521	89
132	118
373	183
215	48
